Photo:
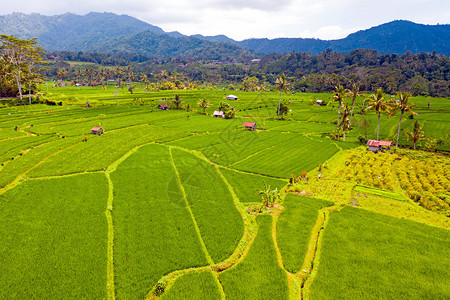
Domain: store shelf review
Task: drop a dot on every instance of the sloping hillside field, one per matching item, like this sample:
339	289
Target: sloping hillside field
171	205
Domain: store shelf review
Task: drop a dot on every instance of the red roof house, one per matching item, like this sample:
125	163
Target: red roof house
163	106
250	126
97	130
376	146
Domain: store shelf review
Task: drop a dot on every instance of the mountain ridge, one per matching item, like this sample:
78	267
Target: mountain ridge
109	32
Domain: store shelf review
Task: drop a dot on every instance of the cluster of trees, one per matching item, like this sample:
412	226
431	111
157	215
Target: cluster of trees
379	103
20	62
418	74
21	68
120	76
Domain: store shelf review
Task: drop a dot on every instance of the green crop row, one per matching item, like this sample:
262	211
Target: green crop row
30	159
366	255
258	276
220	223
11	148
97	152
294	228
247	186
10	133
154	235
197	285
291	155
54	237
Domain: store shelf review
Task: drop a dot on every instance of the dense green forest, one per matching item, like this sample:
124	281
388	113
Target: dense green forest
421	74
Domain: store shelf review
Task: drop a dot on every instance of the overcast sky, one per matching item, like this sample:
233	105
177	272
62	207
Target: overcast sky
242	19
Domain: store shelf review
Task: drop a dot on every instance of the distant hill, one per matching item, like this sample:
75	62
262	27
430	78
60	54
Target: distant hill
216	38
393	37
398	37
73	32
163	45
108	32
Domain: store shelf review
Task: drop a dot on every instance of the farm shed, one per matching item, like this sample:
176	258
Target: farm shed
97	130
232	97
250	126
163	106
219	114
376	146
319	102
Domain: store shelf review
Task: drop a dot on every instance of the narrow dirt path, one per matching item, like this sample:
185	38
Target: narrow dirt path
110	249
310	265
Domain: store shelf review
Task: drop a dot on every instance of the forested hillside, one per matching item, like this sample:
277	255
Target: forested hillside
420	74
108	32
393	37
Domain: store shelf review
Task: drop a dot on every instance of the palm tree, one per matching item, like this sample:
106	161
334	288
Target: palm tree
339	95
107	74
164	75
203	103
177	101
89	72
119	73
130	75
345	123
102	117
401	105
378	103
416	135
353	93
78	75
281	85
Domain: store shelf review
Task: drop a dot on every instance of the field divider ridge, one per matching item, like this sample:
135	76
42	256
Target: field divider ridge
20	178
250	232
201	156
188	206
110	248
310	265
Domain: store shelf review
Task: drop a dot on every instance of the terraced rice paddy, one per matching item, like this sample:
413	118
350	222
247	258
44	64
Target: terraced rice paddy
167	204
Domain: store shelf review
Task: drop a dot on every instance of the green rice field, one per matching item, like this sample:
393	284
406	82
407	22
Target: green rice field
170	204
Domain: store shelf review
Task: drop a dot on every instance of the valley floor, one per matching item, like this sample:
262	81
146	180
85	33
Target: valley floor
167	204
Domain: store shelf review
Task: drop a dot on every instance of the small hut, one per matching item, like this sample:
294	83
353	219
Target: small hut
376	146
250	126
163	106
232	97
97	130
219	114
319	102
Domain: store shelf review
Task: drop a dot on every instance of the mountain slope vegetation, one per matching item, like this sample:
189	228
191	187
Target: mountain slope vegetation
107	32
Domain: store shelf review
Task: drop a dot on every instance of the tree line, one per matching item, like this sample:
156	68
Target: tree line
425	74
22	68
20	63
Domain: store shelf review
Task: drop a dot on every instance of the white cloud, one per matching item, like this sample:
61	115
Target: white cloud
240	19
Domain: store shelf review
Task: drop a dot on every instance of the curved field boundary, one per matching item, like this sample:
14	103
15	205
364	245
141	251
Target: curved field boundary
20	178
110	251
293	282
311	264
250	232
188	206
